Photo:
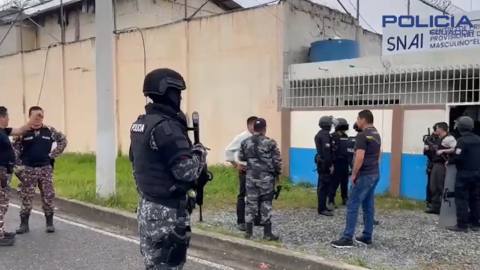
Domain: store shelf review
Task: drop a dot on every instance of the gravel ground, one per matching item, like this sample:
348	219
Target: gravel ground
404	240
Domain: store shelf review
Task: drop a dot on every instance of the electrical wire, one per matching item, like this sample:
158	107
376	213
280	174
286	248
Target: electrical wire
9	29
386	64
45	70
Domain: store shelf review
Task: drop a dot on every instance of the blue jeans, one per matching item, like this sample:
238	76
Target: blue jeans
363	193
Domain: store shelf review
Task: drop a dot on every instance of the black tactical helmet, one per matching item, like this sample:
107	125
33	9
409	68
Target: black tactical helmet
325	122
465	123
342	124
164	86
356	128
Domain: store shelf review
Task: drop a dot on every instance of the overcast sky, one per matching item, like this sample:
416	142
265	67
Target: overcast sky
372	10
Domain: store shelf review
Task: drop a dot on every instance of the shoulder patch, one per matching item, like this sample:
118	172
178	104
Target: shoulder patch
166	128
138	128
458	151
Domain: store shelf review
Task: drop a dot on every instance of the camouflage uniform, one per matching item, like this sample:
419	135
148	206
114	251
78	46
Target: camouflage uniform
4	198
155	222
31	177
264	164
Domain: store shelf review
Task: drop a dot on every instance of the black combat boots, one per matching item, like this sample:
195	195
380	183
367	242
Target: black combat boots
7	240
249	230
50	228
24	228
267	233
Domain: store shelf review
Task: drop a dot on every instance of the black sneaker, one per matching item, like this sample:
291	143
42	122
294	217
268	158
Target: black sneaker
241	227
363	240
326	213
342	243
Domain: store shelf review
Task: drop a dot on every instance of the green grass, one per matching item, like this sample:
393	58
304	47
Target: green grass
75	179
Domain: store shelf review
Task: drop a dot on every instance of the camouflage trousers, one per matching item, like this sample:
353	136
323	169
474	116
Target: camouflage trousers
30	178
259	194
4	197
155	222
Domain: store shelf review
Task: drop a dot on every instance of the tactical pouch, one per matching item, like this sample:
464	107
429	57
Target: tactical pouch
4	182
174	248
320	163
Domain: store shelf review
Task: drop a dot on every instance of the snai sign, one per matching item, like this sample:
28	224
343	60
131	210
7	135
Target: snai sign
404	34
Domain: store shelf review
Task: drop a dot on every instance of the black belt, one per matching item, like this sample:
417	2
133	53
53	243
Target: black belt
167	202
36	164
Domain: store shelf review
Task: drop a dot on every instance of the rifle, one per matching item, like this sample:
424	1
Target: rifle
429	139
206	175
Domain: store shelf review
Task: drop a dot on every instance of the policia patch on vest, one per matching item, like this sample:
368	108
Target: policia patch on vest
138	128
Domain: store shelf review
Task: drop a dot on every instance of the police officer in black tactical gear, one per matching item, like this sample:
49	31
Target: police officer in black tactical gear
430	154
467	182
166	166
443	147
324	161
343	160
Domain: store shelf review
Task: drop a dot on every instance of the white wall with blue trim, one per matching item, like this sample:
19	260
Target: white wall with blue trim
304	126
414	178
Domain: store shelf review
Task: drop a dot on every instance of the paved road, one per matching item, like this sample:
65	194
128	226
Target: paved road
75	246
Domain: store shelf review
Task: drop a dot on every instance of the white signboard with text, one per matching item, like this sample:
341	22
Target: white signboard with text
428	33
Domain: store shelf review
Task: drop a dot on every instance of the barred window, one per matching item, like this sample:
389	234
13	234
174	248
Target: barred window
407	87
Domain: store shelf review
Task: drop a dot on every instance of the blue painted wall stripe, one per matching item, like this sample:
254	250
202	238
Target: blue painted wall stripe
302	168
414	178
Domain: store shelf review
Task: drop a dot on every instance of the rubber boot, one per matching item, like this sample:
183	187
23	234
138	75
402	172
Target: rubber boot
24	228
50	228
267	233
249	230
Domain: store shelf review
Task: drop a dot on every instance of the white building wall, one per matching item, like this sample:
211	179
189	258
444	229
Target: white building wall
413	170
304	126
416	124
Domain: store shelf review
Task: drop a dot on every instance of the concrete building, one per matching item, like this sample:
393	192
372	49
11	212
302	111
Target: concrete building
234	64
408	92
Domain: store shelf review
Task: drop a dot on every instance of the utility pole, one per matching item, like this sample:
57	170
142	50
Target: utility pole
408	7
358	11
104	56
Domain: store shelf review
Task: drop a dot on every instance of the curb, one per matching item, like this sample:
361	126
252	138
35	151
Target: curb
248	251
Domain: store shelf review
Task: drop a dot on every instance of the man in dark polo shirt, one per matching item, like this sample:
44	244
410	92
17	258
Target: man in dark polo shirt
364	179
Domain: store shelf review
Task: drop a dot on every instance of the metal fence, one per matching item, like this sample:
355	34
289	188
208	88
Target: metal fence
452	84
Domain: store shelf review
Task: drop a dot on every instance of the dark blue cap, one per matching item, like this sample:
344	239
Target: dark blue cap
259	124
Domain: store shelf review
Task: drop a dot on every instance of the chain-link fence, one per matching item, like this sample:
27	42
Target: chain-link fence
415	86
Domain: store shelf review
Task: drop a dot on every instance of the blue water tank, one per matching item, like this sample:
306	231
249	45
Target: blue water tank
333	50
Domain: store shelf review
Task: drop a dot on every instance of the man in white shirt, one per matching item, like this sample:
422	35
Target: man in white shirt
230	154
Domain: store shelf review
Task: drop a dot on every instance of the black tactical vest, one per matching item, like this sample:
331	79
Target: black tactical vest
36	147
155	182
7	155
438	143
342	144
